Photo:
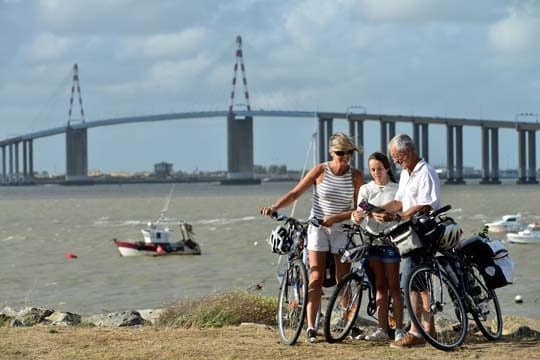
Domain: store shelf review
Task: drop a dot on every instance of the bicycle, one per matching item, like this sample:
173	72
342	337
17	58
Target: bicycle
344	304
445	287
293	290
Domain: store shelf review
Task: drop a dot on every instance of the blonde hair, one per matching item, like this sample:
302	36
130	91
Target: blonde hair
341	142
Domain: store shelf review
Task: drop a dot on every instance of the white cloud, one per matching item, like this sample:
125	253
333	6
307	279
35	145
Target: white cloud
396	9
47	47
516	34
177	72
163	76
309	19
429	10
283	99
163	45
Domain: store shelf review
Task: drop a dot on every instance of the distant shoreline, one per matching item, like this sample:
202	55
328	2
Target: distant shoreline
263	178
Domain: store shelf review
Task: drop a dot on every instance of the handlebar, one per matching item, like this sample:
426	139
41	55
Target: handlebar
440	210
414	219
353	254
282	217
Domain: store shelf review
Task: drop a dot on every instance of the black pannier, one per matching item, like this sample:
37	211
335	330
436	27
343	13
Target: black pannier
492	259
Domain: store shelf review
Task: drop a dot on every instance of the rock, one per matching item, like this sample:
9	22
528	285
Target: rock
151	315
525	332
252	324
31	316
63	319
124	318
8	312
16	323
5	319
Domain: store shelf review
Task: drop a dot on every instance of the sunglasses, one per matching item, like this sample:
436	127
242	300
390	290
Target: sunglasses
343	153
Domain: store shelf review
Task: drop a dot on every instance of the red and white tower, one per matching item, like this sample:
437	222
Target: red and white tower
239	60
73	86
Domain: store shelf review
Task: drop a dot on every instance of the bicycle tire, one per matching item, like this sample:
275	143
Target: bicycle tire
342	308
292	302
446	308
487	313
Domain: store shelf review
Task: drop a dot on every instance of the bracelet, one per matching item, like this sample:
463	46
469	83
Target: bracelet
398	218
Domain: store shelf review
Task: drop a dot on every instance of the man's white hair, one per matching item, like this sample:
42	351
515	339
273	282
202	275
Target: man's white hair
402	142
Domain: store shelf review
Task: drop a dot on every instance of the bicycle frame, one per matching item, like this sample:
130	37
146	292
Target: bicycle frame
293	293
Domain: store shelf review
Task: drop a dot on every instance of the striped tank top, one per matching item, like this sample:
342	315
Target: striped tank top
334	195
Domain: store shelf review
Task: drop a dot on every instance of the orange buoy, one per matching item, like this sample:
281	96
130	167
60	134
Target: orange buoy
160	250
70	255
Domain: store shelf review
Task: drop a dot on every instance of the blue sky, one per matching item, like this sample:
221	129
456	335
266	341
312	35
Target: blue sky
459	58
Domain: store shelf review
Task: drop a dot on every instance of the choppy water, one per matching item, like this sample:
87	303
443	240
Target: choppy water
39	224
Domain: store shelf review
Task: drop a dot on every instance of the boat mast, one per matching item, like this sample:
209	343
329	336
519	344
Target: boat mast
166	207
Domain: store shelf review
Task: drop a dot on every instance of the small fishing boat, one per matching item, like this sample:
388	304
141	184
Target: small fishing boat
158	241
508	224
531	235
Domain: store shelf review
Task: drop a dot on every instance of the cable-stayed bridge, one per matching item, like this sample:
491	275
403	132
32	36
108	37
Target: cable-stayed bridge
240	138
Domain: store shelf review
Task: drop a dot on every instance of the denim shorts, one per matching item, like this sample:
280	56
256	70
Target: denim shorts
386	254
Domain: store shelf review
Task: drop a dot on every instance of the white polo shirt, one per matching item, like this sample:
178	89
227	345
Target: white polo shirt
421	187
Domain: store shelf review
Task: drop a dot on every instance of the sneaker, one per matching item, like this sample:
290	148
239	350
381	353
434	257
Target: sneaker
409	340
311	336
357	333
399	334
378	335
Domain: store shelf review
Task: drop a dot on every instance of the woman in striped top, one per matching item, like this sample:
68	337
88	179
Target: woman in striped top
335	187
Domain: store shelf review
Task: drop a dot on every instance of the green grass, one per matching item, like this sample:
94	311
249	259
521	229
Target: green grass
221	310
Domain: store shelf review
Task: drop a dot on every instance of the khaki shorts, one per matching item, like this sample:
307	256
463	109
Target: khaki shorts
324	238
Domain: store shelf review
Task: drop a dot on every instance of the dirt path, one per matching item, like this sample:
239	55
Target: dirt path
243	342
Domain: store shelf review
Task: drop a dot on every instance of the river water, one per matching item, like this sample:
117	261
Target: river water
40	224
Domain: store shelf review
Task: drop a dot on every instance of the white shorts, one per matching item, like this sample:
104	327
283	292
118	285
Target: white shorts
324	238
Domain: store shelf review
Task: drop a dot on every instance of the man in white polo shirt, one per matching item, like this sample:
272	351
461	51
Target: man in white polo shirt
419	190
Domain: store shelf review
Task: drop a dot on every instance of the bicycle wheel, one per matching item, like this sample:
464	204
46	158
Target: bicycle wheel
292	302
343	308
440	314
487	311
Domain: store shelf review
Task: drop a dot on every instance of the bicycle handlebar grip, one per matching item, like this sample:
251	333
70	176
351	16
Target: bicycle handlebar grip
441	210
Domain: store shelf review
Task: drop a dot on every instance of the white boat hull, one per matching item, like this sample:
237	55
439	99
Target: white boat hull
531	235
508	224
128	248
516	238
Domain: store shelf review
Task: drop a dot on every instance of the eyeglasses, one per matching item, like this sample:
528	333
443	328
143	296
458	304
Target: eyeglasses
398	157
343	153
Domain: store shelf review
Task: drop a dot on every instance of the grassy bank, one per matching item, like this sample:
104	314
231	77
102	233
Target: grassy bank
238	342
236	325
221	310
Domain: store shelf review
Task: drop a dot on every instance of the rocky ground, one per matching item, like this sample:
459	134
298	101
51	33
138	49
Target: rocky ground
29	334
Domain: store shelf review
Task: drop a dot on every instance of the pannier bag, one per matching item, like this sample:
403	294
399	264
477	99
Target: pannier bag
423	231
406	240
492	259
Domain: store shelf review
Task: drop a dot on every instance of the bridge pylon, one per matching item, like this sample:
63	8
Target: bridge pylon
239	132
76	140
